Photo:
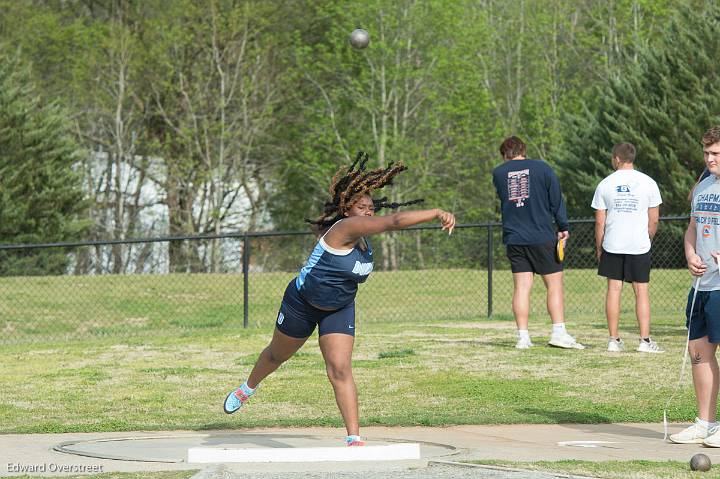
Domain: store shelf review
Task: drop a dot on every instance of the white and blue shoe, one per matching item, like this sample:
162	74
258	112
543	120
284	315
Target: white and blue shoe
353	441
237	398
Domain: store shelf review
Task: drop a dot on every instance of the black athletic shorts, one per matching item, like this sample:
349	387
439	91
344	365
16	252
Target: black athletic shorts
537	258
633	268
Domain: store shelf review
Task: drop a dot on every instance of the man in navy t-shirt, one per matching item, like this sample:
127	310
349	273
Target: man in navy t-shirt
534	220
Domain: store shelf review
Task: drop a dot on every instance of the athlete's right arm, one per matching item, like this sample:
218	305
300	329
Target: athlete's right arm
600	216
694	262
351	229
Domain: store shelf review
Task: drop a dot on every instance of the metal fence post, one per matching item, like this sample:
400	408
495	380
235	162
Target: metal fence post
490	271
246	278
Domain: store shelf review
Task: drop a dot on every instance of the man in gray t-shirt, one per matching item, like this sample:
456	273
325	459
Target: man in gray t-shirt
702	250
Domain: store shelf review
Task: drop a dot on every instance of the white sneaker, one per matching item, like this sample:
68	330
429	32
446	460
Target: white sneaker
615	346
695	434
524	343
713	438
564	340
651	347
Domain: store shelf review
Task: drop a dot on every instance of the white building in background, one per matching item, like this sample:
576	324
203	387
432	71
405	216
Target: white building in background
101	180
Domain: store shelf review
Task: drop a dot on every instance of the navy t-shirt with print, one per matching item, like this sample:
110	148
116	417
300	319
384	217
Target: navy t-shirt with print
531	201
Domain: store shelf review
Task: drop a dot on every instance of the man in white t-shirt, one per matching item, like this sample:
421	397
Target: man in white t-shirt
627	208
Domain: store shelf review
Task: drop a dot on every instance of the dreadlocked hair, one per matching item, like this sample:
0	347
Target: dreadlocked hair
350	184
382	203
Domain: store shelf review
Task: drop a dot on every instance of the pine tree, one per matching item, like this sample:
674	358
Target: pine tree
41	198
662	104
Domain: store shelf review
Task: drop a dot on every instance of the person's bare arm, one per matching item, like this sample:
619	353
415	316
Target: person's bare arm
346	234
600	217
694	262
653	219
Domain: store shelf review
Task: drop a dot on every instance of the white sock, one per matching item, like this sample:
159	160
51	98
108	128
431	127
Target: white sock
523	334
247	389
558	328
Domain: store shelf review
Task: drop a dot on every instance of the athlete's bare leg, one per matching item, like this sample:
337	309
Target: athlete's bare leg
521	298
280	349
337	351
555	300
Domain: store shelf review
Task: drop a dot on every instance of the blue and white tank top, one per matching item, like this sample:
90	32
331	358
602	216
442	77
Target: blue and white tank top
330	277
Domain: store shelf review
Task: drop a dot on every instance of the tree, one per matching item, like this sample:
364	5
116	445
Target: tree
408	97
662	104
214	91
85	55
41	199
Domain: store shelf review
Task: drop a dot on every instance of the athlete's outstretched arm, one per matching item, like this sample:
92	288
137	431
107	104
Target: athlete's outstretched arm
351	229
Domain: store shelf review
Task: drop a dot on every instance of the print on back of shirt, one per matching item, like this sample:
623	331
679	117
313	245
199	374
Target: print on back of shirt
519	186
625	201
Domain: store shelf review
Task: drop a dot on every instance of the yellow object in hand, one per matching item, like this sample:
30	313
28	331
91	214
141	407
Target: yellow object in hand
560	250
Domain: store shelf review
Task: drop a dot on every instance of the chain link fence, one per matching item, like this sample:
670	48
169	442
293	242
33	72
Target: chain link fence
170	285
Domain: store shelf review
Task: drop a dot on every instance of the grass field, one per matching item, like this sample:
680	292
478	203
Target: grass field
417	360
161	352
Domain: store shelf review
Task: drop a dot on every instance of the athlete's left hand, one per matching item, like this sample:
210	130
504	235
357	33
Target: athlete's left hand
447	220
563	235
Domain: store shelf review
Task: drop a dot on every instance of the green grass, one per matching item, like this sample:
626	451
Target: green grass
116	353
461	372
417	361
397	353
613	469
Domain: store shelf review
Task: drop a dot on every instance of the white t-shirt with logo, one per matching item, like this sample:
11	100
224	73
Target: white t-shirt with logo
706	211
626	195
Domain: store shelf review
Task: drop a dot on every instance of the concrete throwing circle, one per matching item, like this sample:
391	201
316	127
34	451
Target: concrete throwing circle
173	448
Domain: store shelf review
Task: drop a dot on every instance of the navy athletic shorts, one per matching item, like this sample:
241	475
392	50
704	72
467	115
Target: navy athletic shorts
297	318
706	315
539	259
